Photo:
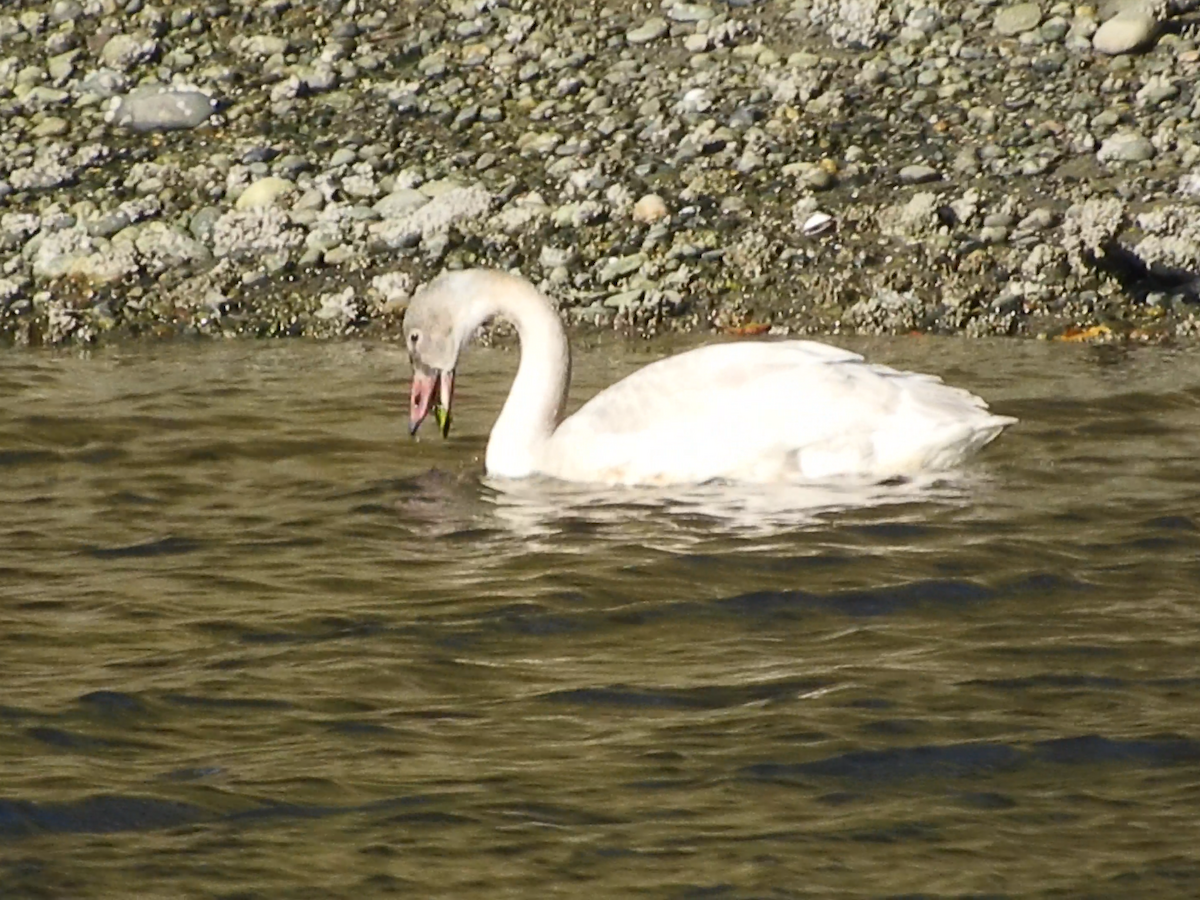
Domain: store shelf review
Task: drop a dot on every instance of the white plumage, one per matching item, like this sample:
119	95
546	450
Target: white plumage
762	412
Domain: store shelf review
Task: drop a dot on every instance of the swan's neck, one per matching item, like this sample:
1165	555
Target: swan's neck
539	392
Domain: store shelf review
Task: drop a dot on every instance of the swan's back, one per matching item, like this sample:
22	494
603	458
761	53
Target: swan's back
767	412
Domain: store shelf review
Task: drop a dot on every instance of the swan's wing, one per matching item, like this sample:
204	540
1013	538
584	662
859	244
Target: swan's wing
758	411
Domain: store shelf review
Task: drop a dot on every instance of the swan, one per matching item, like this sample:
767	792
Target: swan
754	411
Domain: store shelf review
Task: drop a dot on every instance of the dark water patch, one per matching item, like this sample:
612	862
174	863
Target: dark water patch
986	800
898	833
706	892
663	784
1123	428
428	819
130	498
978	760
61	739
99	456
899	764
110	814
893	727
839	798
273	450
1094	749
1049	680
168	546
227	703
861	603
299	811
1161	543
112	703
331	628
707	697
436	714
892	532
14	714
363	729
42	606
531	620
192	773
561	816
14	458
870	703
1172	523
102	814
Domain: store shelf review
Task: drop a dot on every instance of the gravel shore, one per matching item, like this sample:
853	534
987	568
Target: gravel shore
298	167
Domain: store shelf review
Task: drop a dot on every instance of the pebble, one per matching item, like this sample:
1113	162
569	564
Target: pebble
690	12
1125	146
124	51
918	174
1130	30
817	223
264	192
650	30
650	209
1017	19
159	109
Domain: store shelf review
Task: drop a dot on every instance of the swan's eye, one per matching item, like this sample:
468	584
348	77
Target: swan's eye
414	338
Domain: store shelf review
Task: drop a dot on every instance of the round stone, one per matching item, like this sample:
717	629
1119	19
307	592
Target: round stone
650	209
264	192
650	30
918	174
1125	146
1018	18
1130	30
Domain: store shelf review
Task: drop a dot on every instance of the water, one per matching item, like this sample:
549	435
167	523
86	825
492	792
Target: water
255	642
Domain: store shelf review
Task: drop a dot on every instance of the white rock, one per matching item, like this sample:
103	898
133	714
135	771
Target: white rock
1131	29
160	109
650	30
264	192
1125	146
817	223
650	209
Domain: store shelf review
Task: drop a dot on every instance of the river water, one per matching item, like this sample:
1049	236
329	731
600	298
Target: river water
256	642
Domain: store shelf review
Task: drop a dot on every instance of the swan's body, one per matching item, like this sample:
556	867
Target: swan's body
757	411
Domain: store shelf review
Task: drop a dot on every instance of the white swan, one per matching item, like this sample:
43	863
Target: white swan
753	411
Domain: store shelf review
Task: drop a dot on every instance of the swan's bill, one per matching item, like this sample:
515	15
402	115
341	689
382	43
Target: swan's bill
430	388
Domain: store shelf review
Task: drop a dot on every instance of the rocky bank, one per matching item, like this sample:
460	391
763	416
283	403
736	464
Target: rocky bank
298	166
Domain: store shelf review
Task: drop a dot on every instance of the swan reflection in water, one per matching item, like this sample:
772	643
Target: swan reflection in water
438	504
542	507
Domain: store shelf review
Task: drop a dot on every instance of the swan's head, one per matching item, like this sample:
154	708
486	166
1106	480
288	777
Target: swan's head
437	325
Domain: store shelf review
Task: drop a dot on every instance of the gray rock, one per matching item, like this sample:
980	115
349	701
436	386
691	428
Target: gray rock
1130	30
625	299
260	232
103	83
451	207
65	11
690	12
400	202
162	246
615	268
918	174
124	51
650	30
1125	146
1017	19
160	109
576	215
202	223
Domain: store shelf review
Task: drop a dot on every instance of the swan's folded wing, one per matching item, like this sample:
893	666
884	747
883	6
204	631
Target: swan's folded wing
758	411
